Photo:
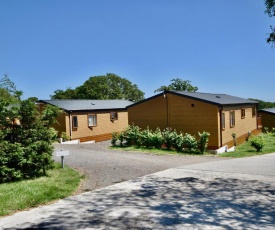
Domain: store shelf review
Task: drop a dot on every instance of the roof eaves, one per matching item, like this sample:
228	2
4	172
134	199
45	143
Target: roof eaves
48	103
213	102
195	98
267	111
147	99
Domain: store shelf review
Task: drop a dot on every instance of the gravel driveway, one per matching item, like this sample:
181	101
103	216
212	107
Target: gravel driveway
102	166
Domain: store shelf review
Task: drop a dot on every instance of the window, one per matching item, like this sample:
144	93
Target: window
232	119
253	111
91	120
243	113
223	121
75	122
113	116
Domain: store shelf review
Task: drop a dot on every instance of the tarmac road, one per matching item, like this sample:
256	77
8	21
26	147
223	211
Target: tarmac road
104	167
226	194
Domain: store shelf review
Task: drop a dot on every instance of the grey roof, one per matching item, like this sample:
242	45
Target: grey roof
215	98
212	98
271	110
81	105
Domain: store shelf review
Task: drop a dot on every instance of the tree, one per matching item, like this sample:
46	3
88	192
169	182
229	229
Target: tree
109	86
25	139
179	85
65	94
8	91
270	10
264	104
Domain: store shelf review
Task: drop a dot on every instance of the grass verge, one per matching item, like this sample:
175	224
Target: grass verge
246	150
59	183
155	150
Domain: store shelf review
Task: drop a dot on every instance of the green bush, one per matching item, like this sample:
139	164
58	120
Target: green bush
190	142
131	135
169	136
156	139
64	136
114	139
257	142
25	140
178	142
145	137
203	141
121	138
265	130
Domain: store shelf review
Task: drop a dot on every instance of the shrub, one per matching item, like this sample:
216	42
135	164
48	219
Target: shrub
114	139
265	130
131	135
121	138
156	138
178	142
190	142
144	137
64	136
257	142
169	137
203	141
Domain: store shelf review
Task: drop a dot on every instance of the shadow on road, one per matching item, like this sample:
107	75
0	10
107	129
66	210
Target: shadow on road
162	203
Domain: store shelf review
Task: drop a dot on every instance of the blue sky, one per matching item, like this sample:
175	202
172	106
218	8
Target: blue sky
219	45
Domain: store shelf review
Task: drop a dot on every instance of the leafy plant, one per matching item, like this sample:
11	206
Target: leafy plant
169	137
190	142
131	134
64	136
25	141
265	130
257	142
178	142
114	139
121	138
156	138
203	141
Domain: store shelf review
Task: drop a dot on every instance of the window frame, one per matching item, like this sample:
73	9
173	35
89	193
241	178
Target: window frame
94	120
74	121
115	117
243	113
223	121
232	119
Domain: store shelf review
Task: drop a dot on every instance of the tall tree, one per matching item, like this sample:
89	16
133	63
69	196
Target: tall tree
179	85
270	10
109	86
25	136
8	90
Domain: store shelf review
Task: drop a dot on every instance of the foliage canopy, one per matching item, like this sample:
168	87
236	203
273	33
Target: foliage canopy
264	104
109	86
25	138
8	91
270	10
179	85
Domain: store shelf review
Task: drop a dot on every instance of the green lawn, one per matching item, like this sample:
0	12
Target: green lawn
246	150
59	183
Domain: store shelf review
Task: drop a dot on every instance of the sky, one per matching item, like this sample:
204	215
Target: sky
218	45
